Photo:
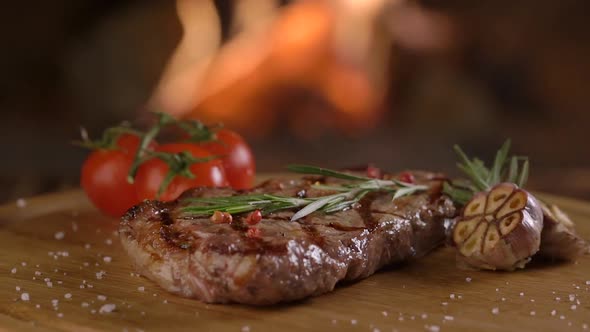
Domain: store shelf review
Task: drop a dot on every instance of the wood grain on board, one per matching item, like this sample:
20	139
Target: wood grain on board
67	258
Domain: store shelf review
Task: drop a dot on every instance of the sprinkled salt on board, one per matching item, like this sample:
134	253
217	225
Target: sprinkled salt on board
59	235
432	328
495	310
25	297
21	203
107	308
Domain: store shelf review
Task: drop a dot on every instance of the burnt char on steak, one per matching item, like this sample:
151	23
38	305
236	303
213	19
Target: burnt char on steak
286	261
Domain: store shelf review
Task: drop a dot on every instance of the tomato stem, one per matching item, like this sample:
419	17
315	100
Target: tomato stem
163	121
178	165
109	138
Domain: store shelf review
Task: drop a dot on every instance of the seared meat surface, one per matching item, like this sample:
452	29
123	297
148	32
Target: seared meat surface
283	260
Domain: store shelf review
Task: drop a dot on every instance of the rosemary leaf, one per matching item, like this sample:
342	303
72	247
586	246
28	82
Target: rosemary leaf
501	155
512	170
524	174
306	169
408	191
318	204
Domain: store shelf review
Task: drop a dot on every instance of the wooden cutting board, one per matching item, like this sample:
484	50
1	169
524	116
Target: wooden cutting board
67	259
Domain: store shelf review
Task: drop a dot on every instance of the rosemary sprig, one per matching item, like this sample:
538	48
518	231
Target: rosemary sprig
480	178
345	196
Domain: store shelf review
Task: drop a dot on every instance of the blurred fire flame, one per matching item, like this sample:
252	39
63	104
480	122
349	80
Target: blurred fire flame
286	73
312	66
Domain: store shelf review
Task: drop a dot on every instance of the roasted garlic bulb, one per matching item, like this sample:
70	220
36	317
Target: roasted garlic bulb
499	229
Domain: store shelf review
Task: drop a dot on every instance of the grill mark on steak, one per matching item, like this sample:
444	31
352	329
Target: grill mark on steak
365	211
219	263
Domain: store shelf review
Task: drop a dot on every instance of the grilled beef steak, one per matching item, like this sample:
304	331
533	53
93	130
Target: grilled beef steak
283	260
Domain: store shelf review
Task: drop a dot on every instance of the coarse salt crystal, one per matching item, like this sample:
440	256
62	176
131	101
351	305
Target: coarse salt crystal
445	303
107	308
452	296
23	263
37	273
68	296
521	294
108	241
100	274
141	288
13	271
17	288
376	330
497	289
533	313
165	301
101	297
449	318
24	296
503	299
558	299
574	307
85	304
495	310
38	306
60	315
59	235
572	297
468	279
21	203
424	316
59	282
587	283
54	302
562	317
87	246
432	328
384	313
585	326
93	311
107	259
49	284
553	312
245	328
353	321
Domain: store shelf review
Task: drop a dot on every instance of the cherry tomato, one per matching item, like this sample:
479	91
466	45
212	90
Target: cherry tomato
104	177
238	160
152	173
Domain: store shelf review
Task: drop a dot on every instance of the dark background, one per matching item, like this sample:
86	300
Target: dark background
519	70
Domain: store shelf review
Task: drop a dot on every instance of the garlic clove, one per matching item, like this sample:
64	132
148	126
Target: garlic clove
559	240
476	205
